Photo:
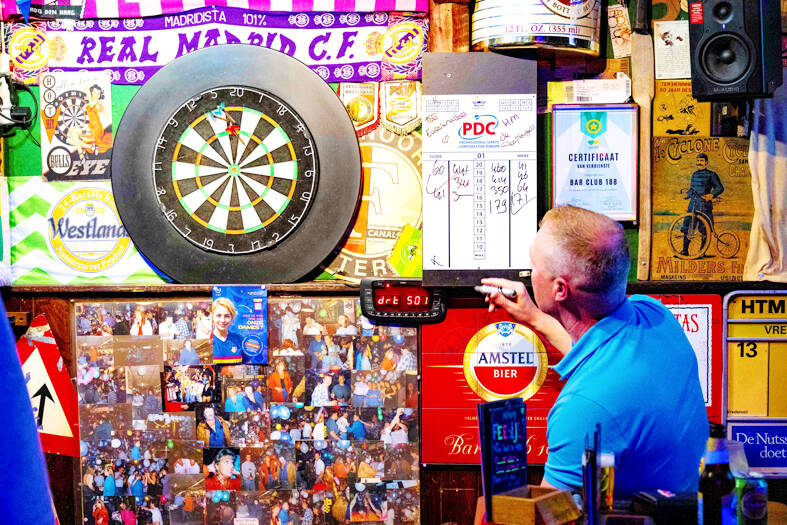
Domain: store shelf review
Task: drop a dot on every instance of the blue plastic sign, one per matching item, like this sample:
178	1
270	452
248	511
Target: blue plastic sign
765	444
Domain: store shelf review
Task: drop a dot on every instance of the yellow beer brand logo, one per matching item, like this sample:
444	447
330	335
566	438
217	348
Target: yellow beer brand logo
402	42
28	49
505	360
85	231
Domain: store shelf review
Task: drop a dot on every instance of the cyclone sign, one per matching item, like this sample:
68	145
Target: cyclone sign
504	360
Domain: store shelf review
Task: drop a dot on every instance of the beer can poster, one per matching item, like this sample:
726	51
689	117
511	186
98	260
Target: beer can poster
568	25
475	356
240	324
702	208
76	125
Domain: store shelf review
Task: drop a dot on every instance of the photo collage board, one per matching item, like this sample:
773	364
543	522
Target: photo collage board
326	433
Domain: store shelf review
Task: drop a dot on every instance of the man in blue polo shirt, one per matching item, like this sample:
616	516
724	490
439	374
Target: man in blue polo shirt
627	366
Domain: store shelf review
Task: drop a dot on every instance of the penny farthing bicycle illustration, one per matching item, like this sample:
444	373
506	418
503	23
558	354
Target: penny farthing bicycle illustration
700	231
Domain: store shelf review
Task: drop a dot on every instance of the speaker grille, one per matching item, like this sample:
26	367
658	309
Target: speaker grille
725	58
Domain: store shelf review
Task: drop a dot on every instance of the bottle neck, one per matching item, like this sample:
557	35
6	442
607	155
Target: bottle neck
717	452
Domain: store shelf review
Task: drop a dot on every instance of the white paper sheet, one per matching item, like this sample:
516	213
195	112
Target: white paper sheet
480	188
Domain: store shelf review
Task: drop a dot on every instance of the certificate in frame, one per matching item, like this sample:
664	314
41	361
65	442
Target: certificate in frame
594	158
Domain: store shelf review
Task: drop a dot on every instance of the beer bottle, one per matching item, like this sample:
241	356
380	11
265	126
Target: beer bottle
717	484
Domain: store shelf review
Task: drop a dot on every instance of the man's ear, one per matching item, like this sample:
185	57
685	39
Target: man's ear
559	289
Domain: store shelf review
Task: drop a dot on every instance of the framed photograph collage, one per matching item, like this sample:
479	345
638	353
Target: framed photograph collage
326	433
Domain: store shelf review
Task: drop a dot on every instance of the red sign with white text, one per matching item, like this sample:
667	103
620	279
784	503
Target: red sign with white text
474	356
702	319
695	13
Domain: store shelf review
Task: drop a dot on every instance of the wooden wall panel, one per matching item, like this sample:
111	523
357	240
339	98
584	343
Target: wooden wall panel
449	493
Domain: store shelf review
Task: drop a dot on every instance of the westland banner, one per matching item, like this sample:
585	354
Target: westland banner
340	48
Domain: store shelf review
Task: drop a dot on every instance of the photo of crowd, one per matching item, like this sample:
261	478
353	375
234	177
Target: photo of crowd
326	433
183	387
186	499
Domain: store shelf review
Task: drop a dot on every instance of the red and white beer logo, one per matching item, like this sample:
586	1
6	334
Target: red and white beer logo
505	360
570	8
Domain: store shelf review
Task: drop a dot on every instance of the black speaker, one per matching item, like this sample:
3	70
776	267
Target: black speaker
735	48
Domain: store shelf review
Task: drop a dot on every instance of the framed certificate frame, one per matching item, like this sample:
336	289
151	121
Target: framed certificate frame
594	158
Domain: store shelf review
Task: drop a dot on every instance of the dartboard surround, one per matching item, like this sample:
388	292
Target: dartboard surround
236	164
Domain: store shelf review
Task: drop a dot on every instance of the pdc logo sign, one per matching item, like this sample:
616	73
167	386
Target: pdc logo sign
480	126
505	360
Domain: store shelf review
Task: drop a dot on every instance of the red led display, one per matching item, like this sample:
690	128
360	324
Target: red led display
402	299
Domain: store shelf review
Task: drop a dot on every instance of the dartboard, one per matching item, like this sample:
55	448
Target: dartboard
241	164
240	174
72	112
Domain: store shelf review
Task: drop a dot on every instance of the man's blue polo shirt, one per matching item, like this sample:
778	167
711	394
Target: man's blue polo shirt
635	373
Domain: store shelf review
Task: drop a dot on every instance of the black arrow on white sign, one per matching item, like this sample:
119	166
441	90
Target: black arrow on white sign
44	393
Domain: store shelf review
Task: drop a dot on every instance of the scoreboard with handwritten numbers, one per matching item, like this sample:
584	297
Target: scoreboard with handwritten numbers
480	148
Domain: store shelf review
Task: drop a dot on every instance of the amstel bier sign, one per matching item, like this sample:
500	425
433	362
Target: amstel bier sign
505	360
472	357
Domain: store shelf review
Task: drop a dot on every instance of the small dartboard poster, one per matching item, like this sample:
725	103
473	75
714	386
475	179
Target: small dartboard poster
76	125
241	175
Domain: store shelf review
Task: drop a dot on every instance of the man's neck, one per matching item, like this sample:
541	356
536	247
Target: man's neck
579	320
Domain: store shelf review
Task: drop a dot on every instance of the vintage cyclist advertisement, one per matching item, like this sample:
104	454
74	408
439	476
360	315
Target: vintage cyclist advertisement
702	208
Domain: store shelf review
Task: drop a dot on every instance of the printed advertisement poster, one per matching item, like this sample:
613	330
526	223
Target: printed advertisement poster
701	318
676	112
475	356
240	324
76	125
702	208
765	444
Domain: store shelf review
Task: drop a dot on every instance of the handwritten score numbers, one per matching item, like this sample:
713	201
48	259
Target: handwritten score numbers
480	188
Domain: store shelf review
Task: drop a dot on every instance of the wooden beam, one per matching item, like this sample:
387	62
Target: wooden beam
449	26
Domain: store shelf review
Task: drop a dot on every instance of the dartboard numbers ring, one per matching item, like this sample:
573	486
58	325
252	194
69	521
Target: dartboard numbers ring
240	174
241	164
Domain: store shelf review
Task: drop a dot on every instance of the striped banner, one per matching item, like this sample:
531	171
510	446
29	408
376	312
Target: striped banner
66	233
5	236
44	8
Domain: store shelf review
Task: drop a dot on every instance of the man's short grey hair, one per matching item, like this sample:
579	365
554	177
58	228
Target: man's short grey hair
588	247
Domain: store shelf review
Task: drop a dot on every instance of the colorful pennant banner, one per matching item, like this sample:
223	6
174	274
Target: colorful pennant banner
347	47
